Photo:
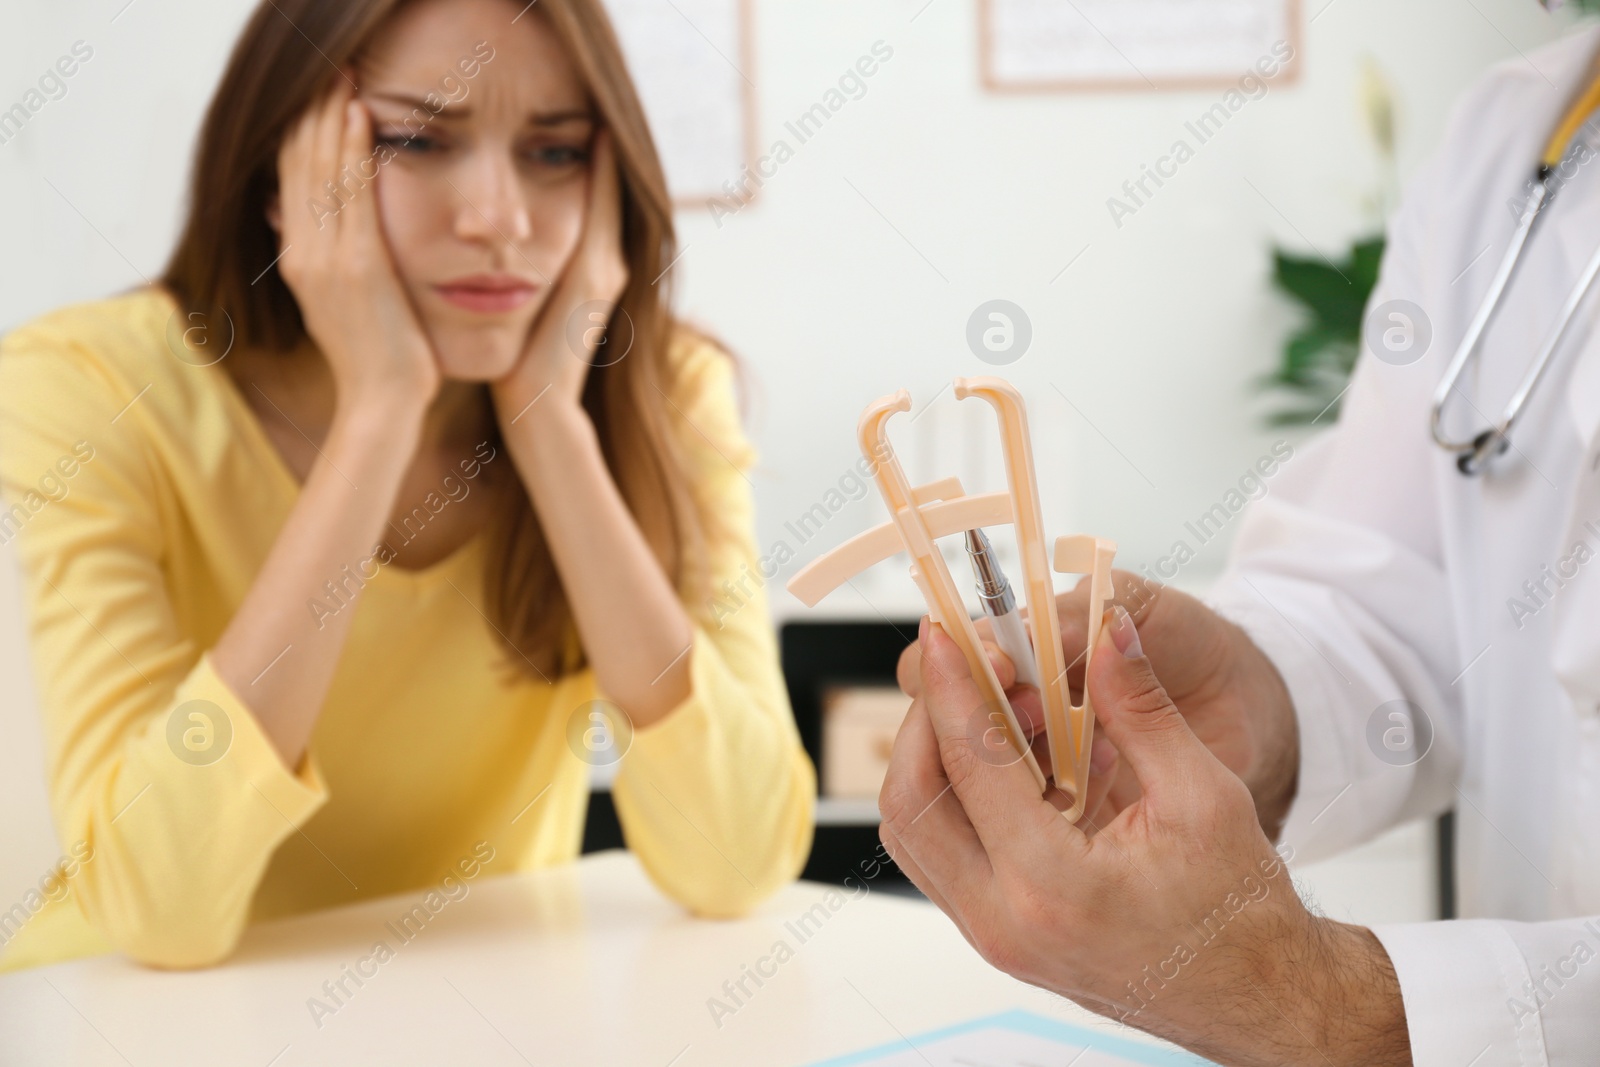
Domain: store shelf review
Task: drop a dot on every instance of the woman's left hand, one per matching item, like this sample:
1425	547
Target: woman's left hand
563	343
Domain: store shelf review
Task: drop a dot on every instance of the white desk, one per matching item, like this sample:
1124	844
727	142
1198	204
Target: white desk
587	965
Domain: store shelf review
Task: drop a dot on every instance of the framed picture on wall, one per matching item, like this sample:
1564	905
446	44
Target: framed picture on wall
1142	45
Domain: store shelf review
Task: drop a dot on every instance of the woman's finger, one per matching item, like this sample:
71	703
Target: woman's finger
294	156
295	190
325	148
297	162
602	272
605	194
360	209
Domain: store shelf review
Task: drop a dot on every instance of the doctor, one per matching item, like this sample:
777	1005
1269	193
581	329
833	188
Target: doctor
1394	638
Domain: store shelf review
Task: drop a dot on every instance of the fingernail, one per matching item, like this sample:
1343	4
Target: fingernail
1102	754
1124	633
922	629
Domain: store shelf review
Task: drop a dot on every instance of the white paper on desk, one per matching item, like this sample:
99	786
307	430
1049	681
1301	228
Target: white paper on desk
1017	1039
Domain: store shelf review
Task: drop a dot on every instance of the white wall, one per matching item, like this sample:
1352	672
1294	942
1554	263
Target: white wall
1155	332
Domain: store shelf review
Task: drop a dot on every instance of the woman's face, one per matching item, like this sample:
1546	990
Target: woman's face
482	131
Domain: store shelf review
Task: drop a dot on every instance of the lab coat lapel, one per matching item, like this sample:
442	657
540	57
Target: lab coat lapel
1575	637
1575	232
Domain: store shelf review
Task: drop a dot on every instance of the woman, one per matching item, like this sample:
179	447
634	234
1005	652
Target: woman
345	611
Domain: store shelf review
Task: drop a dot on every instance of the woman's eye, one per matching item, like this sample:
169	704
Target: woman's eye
557	155
401	141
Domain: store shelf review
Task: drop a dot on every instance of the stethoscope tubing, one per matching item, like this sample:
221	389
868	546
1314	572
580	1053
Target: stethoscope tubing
1472	456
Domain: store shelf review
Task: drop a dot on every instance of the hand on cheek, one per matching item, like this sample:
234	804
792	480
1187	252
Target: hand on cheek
1181	885
563	340
336	262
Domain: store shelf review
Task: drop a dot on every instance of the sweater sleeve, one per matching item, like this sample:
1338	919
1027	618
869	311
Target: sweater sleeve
717	798
156	769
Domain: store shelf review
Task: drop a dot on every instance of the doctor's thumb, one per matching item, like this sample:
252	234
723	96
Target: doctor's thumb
1136	714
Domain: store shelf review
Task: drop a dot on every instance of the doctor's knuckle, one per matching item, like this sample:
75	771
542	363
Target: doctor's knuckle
888	839
1220	808
1237	810
1033	908
960	760
998	946
908	672
899	801
1146	699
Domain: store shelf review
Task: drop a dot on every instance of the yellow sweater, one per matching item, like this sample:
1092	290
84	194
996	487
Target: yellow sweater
142	496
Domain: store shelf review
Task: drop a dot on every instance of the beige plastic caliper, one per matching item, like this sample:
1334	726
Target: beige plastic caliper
920	516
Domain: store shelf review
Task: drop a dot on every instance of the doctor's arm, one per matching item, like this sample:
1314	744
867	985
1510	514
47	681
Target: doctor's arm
1337	580
1338	577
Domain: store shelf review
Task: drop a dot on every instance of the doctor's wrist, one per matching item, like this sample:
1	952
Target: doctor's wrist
1305	991
1353	1010
1274	771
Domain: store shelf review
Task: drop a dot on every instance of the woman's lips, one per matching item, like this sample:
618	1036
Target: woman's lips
488	294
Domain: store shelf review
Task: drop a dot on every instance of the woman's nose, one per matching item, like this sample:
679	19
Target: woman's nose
492	208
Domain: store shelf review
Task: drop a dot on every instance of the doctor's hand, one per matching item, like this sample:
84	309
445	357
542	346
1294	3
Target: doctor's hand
1229	692
1177	917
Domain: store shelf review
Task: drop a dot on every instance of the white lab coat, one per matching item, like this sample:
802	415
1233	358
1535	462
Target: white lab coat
1374	572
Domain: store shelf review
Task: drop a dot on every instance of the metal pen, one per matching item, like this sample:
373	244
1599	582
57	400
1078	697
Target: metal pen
1000	604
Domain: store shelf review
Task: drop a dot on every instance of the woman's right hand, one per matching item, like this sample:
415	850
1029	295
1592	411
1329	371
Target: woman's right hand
336	262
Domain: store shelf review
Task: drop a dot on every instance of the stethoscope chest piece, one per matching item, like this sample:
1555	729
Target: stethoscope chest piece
1472	460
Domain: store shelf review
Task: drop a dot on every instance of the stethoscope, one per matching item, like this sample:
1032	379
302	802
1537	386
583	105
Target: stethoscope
1474	455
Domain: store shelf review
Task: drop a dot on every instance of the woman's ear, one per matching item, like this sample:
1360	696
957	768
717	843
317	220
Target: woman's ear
274	214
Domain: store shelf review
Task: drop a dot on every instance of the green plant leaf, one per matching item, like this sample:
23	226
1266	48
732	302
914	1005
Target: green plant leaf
1365	257
1319	355
1325	290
